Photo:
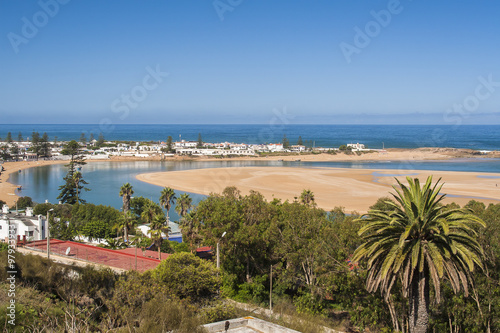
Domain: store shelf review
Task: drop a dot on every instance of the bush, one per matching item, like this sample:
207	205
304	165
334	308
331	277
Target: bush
188	276
308	304
23	202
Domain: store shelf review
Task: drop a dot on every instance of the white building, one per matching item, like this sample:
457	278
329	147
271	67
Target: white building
356	146
297	148
23	226
185	144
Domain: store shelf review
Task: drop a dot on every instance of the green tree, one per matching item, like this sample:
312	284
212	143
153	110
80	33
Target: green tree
184	204
286	143
150	210
307	198
20	137
14	151
299	141
137	205
100	140
44	149
190	227
9	137
126	222
200	141
23	202
35	143
167	198
96	230
5	152
188	276
73	181
126	192
83	139
419	241
170	145
157	228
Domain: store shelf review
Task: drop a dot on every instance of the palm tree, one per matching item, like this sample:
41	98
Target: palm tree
416	241
190	229
307	197
149	211
126	222
184	204
167	198
126	192
156	229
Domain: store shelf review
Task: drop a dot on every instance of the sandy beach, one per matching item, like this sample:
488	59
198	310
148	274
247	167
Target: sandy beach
353	189
8	192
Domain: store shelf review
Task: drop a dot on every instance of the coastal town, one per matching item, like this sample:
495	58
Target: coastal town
96	150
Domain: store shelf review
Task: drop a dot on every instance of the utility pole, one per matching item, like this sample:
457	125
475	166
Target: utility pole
271	291
218	257
48	233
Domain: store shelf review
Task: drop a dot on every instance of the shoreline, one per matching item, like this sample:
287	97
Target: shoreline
8	191
354	189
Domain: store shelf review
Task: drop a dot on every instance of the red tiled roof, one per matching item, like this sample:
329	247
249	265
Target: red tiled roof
124	259
204	249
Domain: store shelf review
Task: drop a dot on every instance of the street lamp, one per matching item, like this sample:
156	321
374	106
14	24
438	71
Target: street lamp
48	233
218	257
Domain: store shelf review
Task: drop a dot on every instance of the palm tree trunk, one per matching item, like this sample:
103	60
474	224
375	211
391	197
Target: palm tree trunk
419	303
125	233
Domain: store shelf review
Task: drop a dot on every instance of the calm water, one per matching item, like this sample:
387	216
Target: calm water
479	137
106	178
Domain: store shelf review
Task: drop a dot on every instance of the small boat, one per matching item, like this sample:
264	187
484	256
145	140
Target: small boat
19	188
280	160
79	168
297	160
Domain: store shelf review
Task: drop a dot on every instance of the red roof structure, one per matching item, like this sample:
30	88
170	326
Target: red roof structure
124	259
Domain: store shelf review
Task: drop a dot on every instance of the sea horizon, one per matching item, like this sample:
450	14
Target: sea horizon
476	137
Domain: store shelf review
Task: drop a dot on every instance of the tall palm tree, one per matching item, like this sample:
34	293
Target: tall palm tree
184	204
417	241
190	229
126	192
156	230
126	222
167	198
307	197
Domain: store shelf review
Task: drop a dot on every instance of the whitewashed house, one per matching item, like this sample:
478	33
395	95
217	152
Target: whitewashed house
26	226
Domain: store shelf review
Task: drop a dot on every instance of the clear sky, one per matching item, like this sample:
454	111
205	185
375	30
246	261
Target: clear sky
243	61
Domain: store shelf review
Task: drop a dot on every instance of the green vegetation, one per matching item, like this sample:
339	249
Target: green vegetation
74	182
325	267
57	298
417	241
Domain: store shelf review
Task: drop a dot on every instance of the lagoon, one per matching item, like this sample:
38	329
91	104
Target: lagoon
105	178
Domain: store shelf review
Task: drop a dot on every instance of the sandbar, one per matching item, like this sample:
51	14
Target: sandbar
354	189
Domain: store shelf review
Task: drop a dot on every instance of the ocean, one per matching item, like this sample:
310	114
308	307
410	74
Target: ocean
478	137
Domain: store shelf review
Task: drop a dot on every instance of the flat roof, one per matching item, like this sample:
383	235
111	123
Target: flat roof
247	325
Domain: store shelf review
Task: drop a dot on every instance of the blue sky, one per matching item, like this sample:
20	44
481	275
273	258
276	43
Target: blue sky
235	61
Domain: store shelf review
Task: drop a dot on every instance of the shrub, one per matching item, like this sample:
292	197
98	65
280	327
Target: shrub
188	276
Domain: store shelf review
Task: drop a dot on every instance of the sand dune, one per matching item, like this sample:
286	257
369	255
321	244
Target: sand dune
354	189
